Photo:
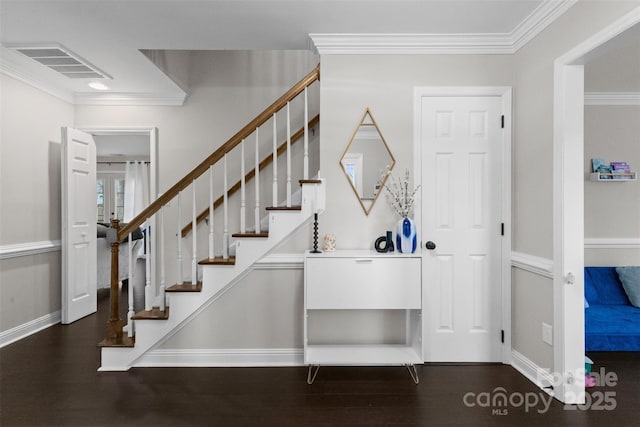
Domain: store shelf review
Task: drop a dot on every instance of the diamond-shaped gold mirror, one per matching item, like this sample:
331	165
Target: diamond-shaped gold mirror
365	160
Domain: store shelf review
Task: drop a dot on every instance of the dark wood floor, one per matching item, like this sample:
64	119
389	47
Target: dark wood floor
51	379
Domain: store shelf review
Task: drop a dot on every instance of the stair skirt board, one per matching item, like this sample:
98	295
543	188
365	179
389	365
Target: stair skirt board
210	358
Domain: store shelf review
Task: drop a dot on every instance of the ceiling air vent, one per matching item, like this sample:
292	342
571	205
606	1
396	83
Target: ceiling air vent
62	61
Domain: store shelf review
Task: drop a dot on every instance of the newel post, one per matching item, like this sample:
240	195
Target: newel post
114	325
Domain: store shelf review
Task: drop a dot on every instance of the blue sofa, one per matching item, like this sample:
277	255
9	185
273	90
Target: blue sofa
611	322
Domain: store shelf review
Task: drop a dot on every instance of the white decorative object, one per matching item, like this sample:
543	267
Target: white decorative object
329	243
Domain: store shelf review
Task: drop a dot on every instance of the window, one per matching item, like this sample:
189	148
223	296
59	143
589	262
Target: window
110	196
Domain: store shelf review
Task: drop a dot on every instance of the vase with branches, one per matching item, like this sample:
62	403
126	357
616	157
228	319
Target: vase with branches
402	198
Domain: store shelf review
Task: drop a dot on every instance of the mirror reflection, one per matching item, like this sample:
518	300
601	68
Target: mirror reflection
365	160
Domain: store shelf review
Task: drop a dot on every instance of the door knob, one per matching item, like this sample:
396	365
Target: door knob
430	245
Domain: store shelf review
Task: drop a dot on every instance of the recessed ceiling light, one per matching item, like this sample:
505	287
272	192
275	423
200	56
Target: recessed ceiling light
98	86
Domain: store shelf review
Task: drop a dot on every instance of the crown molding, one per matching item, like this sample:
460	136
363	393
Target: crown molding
410	44
11	65
538	20
612	98
130	99
416	44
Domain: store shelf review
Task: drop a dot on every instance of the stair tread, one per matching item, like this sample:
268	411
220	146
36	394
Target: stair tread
126	342
310	181
153	314
284	208
263	234
218	261
185	287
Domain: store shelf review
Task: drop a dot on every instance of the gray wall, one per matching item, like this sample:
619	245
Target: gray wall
533	162
30	200
612	132
385	84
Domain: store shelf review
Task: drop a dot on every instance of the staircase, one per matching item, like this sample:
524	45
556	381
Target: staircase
169	309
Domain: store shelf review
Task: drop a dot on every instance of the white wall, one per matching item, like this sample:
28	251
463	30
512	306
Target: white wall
30	200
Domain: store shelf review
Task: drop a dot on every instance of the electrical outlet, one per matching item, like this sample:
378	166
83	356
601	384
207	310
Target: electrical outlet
547	333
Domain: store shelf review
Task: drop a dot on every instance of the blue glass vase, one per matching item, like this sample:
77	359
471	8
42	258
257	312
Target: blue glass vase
406	236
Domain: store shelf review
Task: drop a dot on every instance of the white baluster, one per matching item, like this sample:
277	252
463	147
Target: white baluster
257	181
225	213
305	173
243	203
275	163
179	269
131	312
160	236
194	235
288	157
148	301
211	230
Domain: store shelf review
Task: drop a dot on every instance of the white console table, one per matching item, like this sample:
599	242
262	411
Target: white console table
363	280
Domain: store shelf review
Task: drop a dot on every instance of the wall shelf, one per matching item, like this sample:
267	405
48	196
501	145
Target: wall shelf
613	177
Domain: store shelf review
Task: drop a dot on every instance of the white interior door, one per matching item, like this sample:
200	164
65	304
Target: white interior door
461	146
79	213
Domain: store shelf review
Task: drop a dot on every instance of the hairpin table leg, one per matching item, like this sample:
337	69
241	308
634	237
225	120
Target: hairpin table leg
413	372
311	375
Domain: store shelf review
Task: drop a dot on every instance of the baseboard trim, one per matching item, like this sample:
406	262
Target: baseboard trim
22	331
29	248
533	264
539	376
243	357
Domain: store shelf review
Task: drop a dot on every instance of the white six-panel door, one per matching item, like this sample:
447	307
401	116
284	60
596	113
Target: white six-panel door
79	216
460	144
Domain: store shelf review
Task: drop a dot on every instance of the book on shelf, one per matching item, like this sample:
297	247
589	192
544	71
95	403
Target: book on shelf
597	164
620	167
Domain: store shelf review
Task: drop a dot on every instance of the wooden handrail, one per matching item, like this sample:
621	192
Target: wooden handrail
258	121
250	175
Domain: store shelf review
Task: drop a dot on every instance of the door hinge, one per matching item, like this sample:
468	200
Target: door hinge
502	228
502	336
502	122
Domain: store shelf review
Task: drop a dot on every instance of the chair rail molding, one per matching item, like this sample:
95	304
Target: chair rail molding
533	264
281	262
612	243
612	98
29	248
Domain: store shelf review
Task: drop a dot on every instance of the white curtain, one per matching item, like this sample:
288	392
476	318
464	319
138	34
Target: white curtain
136	189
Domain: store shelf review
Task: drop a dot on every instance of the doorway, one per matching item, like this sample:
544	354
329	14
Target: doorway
568	207
462	153
114	148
